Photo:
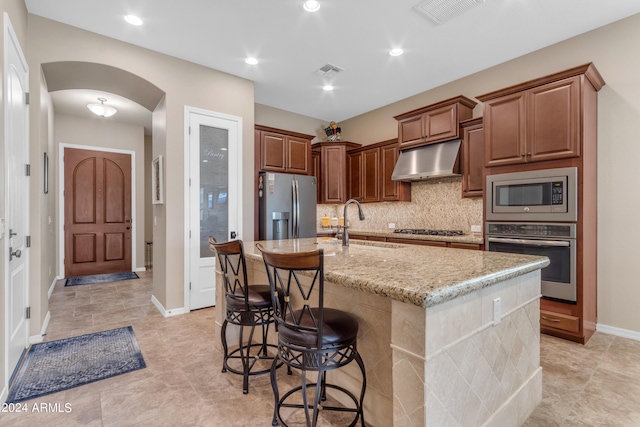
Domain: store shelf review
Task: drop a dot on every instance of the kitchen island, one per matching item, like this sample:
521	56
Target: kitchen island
435	350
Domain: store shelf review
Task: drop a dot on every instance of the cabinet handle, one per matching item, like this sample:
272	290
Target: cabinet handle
550	319
522	155
529	154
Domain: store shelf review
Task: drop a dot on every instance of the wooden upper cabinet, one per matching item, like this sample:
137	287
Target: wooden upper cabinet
538	120
554	120
284	151
371	175
354	168
333	170
315	159
392	191
434	123
472	158
370	168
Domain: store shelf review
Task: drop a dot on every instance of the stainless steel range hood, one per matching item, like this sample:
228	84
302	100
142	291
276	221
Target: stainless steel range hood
429	161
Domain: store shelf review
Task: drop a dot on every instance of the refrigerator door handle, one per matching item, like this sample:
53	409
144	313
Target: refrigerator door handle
297	209
294	214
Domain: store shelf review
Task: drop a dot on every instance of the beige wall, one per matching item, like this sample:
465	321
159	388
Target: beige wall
281	119
107	134
185	84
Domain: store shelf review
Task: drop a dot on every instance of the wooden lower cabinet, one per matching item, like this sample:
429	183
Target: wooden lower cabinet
559	321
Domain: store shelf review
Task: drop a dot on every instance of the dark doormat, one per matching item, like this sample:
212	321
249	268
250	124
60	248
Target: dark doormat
50	367
100	278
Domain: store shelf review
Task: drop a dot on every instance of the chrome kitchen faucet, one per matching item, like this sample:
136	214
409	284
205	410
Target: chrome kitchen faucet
345	227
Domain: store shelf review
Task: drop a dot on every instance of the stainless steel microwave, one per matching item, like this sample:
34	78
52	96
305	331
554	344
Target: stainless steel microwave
539	195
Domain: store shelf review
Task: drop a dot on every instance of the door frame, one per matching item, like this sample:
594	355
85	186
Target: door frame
134	224
10	38
187	173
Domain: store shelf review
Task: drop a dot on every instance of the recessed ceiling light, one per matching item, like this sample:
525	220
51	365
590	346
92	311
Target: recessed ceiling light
396	51
251	61
311	6
327	87
133	20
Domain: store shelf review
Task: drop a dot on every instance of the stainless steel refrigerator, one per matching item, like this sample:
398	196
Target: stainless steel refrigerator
287	206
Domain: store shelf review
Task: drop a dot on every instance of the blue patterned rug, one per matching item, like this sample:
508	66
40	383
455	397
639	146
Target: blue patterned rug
100	278
50	367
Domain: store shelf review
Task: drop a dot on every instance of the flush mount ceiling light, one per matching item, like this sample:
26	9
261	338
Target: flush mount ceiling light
251	61
133	20
101	109
396	51
327	87
311	6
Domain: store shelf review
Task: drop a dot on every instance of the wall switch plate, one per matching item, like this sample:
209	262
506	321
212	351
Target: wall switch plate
476	229
392	225
497	315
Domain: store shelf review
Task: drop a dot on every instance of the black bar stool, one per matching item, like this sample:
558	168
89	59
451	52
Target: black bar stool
311	337
247	305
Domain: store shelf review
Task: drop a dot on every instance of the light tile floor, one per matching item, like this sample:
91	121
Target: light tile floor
593	385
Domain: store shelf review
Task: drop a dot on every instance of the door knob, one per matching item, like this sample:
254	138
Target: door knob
12	254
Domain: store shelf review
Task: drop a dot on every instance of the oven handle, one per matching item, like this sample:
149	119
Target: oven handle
561	243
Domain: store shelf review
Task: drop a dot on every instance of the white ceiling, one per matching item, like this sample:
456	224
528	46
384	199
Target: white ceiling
354	35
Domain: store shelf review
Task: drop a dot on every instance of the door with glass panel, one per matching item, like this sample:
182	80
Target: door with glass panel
214	197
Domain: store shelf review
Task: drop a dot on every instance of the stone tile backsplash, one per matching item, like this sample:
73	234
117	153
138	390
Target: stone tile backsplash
435	204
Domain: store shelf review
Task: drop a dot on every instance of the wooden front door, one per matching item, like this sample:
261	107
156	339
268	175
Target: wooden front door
97	212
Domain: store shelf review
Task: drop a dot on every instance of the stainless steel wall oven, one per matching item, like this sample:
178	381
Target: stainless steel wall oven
553	240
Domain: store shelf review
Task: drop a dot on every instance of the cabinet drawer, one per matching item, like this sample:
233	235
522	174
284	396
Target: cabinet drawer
559	321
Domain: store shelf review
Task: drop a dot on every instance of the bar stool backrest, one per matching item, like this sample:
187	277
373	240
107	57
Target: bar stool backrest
301	307
234	270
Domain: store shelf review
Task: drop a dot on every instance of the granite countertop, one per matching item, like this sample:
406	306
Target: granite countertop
467	238
421	275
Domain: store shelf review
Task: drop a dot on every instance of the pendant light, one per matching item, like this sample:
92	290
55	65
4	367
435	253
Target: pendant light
101	109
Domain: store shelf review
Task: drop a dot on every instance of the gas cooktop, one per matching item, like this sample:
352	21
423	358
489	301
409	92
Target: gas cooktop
429	232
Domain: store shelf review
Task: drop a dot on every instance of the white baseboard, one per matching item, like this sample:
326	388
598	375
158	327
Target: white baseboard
142	269
163	311
35	339
619	332
52	286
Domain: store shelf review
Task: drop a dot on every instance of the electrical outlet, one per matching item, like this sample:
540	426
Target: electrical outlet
476	228
497	315
392	225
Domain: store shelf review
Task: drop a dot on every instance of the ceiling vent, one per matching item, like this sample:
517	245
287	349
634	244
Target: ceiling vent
328	70
443	10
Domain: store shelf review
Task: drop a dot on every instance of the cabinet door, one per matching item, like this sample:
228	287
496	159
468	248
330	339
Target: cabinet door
370	175
472	161
411	130
553	127
392	190
504	130
315	157
354	167
272	146
298	152
441	124
334	179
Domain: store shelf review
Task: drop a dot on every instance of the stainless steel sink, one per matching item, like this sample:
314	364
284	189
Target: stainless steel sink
368	243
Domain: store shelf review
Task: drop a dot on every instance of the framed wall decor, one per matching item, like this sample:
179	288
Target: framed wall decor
157	179
46	173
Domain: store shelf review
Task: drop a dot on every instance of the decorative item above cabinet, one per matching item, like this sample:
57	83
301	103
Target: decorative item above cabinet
433	123
542	119
284	151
